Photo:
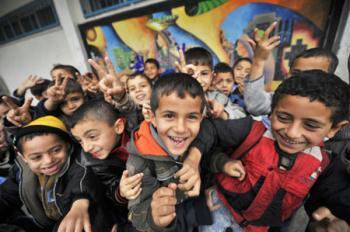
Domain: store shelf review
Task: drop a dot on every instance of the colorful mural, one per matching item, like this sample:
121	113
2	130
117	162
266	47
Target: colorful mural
221	26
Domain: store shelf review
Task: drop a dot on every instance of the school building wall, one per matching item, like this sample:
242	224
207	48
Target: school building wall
36	54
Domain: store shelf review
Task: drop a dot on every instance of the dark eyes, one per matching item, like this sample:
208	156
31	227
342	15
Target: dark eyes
74	99
56	150
35	158
168	116
283	117
193	117
92	137
311	125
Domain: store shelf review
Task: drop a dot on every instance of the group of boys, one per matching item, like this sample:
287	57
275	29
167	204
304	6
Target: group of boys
180	170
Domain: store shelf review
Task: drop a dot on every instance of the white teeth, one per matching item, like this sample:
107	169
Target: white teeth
177	139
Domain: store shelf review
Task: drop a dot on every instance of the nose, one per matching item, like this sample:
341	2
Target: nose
87	147
71	105
180	126
48	159
293	131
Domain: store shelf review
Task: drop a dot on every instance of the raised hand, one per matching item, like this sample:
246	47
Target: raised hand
109	84
89	82
57	92
18	115
264	44
30	82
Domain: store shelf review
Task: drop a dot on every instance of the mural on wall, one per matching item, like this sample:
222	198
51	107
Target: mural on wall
221	26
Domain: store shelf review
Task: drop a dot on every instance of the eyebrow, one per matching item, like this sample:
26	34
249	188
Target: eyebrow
315	121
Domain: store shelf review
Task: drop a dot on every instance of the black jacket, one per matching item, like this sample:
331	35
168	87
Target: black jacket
74	182
332	189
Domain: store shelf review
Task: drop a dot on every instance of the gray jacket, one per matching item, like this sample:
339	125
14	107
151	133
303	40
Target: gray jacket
257	100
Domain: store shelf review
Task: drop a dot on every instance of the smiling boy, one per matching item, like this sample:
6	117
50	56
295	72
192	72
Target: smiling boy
158	150
280	164
57	191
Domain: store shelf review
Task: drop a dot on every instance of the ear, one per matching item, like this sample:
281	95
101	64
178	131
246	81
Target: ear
21	156
336	128
119	126
153	118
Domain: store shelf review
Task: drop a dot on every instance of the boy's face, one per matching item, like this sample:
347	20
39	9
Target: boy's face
97	137
303	64
139	90
72	102
241	71
177	121
298	124
45	154
151	70
224	82
204	76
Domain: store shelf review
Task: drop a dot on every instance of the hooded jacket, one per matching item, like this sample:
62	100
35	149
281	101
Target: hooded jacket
150	158
74	182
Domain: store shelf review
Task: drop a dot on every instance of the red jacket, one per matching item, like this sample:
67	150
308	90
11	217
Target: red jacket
269	195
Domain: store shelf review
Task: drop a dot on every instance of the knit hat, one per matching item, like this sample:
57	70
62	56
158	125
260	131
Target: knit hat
48	124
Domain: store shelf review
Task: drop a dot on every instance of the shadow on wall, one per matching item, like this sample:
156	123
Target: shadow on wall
3	87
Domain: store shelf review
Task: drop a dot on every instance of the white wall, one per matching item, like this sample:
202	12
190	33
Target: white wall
344	52
33	55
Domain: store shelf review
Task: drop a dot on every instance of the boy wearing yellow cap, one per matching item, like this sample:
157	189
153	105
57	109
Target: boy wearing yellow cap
56	190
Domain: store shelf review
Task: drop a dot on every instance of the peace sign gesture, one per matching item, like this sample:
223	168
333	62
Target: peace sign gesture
89	82
56	93
110	84
18	116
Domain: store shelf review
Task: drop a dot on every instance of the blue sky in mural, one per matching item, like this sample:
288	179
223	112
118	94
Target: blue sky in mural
238	20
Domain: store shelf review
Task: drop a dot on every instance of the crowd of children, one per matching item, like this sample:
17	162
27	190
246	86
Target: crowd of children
204	148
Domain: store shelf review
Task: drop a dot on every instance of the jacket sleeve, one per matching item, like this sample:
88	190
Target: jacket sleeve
140	207
9	194
258	102
222	133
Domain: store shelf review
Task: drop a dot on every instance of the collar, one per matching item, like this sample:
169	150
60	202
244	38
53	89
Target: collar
145	143
120	150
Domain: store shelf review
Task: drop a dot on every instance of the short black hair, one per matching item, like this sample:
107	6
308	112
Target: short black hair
153	61
28	137
223	67
199	56
38	89
179	83
240	60
134	75
97	109
69	68
73	86
317	85
318	52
